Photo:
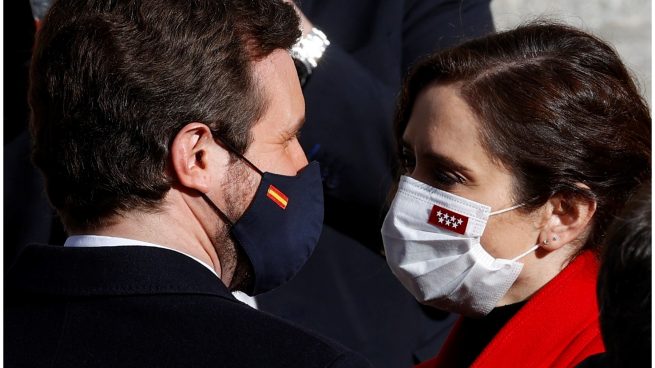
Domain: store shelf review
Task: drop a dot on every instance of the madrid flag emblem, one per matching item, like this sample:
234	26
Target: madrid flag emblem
449	220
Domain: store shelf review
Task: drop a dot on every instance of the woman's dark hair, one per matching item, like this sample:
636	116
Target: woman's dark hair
624	285
557	108
112	82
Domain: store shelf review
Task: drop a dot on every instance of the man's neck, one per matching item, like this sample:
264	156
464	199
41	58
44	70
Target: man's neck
176	232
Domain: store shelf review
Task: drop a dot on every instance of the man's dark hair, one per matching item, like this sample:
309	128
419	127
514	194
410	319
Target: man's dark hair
624	285
113	81
557	108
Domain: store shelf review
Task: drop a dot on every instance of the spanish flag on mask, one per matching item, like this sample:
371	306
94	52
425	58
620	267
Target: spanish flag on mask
277	196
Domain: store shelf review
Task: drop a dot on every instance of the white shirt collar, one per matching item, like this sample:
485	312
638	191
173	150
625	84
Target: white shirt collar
113	241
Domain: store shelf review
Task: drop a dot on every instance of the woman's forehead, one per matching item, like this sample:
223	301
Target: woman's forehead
440	120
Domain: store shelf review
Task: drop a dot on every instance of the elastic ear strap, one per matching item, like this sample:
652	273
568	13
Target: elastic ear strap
525	253
234	151
218	211
506	209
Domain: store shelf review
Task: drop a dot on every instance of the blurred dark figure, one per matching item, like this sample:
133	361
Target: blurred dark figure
28	216
17	53
624	288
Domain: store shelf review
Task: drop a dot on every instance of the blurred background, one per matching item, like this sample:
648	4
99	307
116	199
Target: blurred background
624	23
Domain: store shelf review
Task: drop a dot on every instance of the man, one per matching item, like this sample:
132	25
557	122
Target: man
166	134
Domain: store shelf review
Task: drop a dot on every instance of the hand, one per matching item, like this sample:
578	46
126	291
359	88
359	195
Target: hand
305	24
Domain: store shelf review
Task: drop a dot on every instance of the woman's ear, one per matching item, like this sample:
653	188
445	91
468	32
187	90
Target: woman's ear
191	152
568	218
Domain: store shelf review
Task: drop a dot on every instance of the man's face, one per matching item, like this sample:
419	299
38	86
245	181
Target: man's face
274	148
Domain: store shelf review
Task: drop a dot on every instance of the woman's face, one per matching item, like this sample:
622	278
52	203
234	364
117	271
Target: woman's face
442	148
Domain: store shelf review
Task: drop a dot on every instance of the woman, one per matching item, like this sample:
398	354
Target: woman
517	149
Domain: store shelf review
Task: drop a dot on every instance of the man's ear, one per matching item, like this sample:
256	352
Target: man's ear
567	218
194	157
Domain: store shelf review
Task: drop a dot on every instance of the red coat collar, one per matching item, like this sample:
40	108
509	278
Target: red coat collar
558	327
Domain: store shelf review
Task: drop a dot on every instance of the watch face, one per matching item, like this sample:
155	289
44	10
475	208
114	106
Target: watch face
301	69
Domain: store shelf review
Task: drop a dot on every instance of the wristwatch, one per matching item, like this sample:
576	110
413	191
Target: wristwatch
307	52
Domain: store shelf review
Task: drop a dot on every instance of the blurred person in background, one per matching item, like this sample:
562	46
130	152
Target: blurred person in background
624	287
28	216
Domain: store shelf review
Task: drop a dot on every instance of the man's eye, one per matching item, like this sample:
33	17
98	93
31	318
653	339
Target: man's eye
292	138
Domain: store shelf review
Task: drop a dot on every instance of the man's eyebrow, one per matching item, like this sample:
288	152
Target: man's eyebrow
293	130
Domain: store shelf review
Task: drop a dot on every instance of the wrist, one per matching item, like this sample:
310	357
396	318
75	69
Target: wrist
305	25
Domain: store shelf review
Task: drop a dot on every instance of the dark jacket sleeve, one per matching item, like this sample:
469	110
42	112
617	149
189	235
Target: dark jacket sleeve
348	128
436	25
350	97
350	360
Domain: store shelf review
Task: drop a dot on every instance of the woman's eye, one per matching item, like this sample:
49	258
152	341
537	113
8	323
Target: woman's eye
446	179
407	161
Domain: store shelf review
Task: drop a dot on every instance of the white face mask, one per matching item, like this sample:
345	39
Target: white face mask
432	243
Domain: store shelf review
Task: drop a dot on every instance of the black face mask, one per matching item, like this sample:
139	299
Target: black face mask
280	229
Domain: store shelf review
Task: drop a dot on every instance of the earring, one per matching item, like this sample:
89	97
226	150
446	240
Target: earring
554	238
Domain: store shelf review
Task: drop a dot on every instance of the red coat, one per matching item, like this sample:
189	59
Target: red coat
557	327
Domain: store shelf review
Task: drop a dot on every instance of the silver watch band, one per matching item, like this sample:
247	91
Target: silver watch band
310	48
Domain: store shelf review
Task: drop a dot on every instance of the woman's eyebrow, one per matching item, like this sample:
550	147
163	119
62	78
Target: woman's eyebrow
447	162
441	160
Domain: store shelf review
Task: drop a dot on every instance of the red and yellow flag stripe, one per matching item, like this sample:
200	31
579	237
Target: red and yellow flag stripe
277	196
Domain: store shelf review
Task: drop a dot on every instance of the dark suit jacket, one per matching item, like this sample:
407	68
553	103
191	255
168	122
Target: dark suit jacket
346	291
143	307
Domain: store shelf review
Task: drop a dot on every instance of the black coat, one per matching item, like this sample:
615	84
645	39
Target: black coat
135	306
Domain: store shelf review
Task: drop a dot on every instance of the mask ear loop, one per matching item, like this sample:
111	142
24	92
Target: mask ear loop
525	253
235	152
506	209
218	211
532	249
231	150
